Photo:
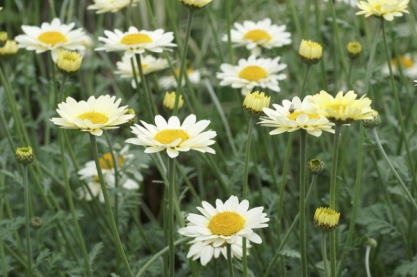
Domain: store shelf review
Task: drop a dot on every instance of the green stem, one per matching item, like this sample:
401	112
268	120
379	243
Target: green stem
71	205
302	204
308	66
398	107
148	96
397	176
336	35
170	211
183	59
368	251
229	32
355	200
27	226
332	203
370	62
324	253
229	260
157	255
349	84
245	187
113	226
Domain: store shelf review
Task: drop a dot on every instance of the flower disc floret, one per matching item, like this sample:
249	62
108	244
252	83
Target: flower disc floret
295	115
136	42
173	136
93	115
52	37
252	73
387	9
344	108
228	222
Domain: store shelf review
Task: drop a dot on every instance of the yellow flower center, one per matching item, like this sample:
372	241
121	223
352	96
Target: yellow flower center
52	37
226	223
168	136
95	118
405	62
253	73
377	7
257	35
135	39
295	114
106	161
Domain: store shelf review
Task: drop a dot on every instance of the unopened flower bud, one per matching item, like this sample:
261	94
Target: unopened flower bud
169	100
68	61
131	121
354	49
36	222
9	49
24	155
255	102
310	52
371	242
3	38
326	219
195	4
374	122
316	166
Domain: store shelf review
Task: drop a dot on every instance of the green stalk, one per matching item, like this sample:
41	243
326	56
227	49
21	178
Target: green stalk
302	204
308	66
183	59
397	176
71	205
229	260
355	200
332	203
368	250
324	253
336	34
151	108
370	62
158	255
113	226
27	225
398	107
229	32
170	211
245	187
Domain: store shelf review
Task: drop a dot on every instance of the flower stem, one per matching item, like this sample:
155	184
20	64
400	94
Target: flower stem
397	176
27	216
229	32
302	204
336	34
368	251
113	226
148	96
308	66
324	253
170	211
245	188
332	203
183	59
370	61
229	260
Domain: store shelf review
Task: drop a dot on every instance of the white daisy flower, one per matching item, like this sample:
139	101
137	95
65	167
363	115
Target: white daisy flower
255	35
124	165
387	9
93	115
136	42
227	223
170	81
408	66
205	251
294	115
252	73
53	37
149	65
173	136
103	6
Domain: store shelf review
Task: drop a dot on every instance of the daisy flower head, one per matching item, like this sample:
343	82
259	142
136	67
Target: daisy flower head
326	219
408	64
195	4
383	8
205	250
107	165
344	108
136	42
295	115
170	81
149	64
252	73
228	222
68	62
310	51
93	115
10	48
52	37
173	136
255	102
257	35
103	6
169	100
